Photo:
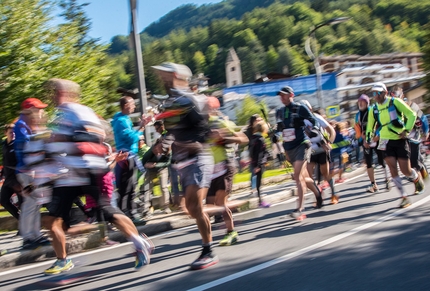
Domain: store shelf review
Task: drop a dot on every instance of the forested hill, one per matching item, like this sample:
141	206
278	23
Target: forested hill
191	15
272	38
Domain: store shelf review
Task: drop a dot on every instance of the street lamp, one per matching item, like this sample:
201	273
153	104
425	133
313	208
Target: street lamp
312	56
134	34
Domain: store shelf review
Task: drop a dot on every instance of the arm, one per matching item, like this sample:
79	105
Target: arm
408	112
370	125
305	113
147	156
160	165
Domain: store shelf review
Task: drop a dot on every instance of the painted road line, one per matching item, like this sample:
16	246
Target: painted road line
308	249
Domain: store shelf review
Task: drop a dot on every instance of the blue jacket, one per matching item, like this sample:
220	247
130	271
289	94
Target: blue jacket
126	138
22	136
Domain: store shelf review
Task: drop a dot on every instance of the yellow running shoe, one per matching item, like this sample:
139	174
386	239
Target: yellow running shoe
229	239
60	266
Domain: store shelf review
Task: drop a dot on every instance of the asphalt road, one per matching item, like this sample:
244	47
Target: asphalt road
363	243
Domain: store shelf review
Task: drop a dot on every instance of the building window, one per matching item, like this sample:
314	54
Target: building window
234	83
233	69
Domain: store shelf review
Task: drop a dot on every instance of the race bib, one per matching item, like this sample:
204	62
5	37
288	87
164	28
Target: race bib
289	134
382	144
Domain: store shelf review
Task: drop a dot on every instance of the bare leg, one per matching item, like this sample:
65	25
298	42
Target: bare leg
194	203
55	226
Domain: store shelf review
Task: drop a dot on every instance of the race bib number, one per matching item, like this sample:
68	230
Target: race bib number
289	134
382	144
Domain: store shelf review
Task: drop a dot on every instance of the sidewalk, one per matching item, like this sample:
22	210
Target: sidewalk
158	224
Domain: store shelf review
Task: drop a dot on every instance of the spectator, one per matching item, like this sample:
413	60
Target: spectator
30	122
10	184
156	162
126	140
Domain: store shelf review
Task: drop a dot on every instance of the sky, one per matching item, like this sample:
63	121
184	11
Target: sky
112	17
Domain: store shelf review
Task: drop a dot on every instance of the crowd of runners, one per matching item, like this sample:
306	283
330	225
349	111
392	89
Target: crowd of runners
54	163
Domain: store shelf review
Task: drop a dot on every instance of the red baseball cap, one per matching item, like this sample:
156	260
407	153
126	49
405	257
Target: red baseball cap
33	102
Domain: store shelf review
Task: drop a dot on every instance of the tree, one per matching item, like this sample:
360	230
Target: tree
426	51
118	44
24	53
31	52
199	62
249	107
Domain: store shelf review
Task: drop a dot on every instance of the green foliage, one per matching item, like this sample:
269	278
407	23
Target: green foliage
31	52
426	51
250	106
269	36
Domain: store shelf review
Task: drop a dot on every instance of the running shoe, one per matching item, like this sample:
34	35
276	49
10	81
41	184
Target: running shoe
334	199
166	210
325	185
142	258
372	189
148	243
405	203
204	261
419	186
387	184
298	215
60	266
229	239
263	204
42	241
28	244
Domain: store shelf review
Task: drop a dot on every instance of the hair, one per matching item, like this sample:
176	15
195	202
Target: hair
339	126
124	100
65	86
9	126
159	123
260	127
253	118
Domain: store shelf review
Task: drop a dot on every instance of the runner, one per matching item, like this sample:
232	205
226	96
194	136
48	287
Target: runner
186	119
360	131
323	135
259	155
223	137
76	144
418	134
290	123
389	111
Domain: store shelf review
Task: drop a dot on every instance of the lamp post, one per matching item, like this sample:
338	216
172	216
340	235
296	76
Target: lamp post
315	58
135	37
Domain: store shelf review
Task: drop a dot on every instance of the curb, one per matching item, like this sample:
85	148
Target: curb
173	221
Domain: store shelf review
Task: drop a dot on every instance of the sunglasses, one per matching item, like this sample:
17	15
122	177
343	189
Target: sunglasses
376	93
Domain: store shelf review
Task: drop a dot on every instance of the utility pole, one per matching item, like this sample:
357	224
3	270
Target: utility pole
135	37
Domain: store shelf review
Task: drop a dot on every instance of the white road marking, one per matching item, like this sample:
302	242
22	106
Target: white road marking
308	249
41	264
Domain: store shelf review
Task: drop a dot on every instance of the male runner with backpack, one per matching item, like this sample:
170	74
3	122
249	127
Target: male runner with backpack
290	124
392	137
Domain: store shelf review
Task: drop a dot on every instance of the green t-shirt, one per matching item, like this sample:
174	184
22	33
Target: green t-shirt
386	128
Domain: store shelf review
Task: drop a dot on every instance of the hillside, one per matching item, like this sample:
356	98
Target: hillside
271	38
191	15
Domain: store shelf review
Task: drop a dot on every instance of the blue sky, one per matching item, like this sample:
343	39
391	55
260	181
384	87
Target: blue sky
112	17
